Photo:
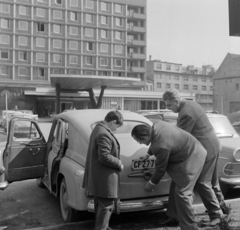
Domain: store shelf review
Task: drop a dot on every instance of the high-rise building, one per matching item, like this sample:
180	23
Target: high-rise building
84	37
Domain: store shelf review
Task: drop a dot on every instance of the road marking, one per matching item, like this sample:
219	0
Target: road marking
13	216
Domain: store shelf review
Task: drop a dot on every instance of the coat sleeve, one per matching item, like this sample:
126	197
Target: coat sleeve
162	157
105	145
186	123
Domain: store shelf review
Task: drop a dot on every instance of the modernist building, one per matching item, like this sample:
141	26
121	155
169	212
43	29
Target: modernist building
226	82
84	37
195	81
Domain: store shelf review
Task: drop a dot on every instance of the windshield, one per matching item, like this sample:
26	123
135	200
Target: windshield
223	127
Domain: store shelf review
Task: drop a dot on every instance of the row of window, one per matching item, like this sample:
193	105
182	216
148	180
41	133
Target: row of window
168	67
41	12
185	87
177	77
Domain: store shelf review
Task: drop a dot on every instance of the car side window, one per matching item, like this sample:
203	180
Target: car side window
25	130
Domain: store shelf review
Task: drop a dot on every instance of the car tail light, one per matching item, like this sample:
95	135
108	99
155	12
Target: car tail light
232	169
236	154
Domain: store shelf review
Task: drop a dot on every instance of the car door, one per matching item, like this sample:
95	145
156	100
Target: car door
25	151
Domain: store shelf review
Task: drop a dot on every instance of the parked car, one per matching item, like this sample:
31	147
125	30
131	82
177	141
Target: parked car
234	118
29	112
229	160
6	117
59	163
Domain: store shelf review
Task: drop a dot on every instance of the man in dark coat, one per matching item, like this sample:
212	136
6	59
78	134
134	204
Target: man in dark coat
180	155
102	167
193	119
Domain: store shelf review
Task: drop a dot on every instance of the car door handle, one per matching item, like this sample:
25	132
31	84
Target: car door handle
34	153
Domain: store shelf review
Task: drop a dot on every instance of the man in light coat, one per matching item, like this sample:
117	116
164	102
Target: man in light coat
102	167
193	119
180	155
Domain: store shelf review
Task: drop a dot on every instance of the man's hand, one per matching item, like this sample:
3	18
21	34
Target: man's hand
145	157
149	187
122	167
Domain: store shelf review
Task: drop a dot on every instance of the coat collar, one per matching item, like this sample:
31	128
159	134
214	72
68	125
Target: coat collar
182	103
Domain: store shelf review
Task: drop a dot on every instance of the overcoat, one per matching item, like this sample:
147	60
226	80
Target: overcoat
103	163
177	152
193	119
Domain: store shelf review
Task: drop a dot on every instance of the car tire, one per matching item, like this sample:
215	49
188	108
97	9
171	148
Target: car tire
68	214
40	184
224	188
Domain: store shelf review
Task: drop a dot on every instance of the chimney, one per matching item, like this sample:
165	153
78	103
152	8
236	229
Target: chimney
150	57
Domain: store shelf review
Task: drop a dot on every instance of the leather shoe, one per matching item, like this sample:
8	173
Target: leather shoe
169	222
214	222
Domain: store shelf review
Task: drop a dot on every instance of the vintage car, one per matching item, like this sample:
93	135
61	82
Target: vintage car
6	117
234	118
58	164
30	113
229	160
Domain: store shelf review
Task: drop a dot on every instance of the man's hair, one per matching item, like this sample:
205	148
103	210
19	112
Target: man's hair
141	132
171	94
114	116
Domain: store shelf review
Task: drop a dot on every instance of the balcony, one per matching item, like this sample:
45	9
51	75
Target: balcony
136	15
136	29
137	56
136	42
136	69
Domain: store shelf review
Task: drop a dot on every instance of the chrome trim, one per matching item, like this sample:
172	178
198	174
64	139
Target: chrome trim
228	163
234	152
230	181
137	205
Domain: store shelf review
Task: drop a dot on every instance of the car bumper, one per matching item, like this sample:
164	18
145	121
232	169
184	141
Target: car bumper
230	181
137	205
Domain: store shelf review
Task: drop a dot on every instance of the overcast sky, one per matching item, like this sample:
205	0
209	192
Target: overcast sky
189	32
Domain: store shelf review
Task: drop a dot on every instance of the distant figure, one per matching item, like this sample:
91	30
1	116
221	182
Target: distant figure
119	107
15	108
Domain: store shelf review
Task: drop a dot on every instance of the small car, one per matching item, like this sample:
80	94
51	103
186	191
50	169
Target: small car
59	163
29	112
229	159
7	115
234	118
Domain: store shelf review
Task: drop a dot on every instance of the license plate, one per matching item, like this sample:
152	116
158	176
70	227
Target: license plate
138	164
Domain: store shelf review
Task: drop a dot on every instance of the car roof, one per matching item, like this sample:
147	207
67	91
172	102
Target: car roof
209	115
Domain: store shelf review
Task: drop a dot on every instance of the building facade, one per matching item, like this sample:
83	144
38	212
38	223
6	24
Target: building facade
186	79
84	37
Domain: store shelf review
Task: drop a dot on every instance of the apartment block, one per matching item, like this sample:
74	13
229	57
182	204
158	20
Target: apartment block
83	37
186	79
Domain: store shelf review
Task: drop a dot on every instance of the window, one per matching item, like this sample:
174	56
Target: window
118	35
40	57
73	59
4	39
40	42
104	19
88	72
104	61
56	58
194	87
176	86
23	10
22	40
159	85
57	29
22	71
185	78
89	32
4	23
104	33
71	71
40	26
89	61
57	14
204	87
59	2
22	25
195	79
4	55
41	72
40	12
118	62
176	77
185	87
168	76
5	8
104	6
73	30
73	45
4	70
168	67
177	68
118	48
211	88
57	71
89	18
118	21
73	2
57	43
89	4
158	66
118	8
203	79
73	16
104	47
89	46
237	86
168	86
41	0
22	55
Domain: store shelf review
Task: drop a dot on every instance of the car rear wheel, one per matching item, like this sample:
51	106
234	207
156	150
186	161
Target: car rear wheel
224	188
68	214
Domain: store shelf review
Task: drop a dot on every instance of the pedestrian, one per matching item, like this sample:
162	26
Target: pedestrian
193	119
15	108
180	155
102	168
